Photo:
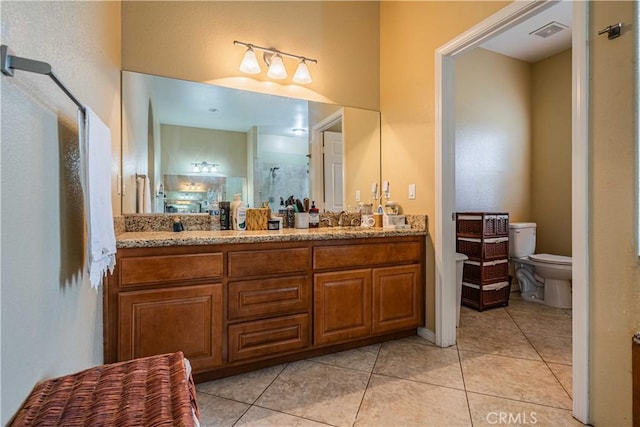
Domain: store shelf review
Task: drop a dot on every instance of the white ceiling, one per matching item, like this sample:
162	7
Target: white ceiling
517	42
186	103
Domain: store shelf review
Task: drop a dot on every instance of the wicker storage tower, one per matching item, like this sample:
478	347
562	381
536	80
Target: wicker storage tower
484	238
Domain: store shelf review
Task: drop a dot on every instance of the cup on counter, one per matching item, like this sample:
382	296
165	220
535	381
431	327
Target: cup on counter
302	219
377	220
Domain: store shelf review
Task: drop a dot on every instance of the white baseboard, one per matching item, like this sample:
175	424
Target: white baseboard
427	334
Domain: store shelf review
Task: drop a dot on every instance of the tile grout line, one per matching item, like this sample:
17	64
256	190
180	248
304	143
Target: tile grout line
367	386
464	383
541	357
259	396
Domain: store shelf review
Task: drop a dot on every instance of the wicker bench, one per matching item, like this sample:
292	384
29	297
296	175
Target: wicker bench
156	390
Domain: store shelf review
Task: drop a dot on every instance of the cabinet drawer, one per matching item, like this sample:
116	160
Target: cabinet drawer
272	261
363	255
152	269
268	337
257	298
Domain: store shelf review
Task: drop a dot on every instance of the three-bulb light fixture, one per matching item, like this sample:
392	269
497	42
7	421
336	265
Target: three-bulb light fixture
204	167
273	58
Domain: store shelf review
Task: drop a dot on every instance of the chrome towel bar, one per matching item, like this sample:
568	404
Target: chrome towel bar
10	62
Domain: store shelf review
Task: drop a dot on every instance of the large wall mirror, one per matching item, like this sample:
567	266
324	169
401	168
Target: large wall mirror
185	144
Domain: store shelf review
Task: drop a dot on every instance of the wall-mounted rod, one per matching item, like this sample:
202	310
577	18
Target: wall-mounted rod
10	62
612	31
140	175
274	51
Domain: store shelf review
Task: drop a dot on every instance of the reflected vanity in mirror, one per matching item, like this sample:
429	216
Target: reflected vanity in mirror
185	144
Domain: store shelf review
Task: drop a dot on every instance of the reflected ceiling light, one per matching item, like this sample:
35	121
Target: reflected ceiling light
249	63
298	131
274	58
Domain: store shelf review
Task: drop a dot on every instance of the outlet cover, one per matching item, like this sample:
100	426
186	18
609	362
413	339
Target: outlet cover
412	191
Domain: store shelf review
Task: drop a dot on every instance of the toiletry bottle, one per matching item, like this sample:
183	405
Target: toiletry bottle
314	216
237	201
238	213
240	218
291	217
225	215
215	216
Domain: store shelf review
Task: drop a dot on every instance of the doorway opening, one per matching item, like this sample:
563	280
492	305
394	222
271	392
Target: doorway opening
445	180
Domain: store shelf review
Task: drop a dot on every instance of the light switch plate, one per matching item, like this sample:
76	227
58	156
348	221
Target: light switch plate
412	191
357	195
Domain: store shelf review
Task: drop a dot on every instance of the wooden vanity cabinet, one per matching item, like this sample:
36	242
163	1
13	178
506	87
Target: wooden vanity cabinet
269	301
386	297
163	300
234	307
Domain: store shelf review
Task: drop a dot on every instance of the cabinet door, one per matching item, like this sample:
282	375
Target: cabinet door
397	298
188	319
342	306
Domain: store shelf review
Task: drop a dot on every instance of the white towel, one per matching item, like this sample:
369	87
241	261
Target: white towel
143	194
147	195
95	177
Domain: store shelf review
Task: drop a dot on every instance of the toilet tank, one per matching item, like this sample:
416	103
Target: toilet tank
522	239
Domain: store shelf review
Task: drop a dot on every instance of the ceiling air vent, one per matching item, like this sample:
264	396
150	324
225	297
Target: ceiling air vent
548	30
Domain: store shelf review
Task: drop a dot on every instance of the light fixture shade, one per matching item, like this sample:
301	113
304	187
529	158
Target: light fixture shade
249	63
276	69
196	168
302	75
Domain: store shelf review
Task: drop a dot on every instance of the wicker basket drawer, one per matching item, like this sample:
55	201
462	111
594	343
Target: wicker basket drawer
483	250
254	299
136	271
482	224
486	272
268	337
486	296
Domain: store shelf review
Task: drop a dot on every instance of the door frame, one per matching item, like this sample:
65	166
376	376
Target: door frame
445	333
316	167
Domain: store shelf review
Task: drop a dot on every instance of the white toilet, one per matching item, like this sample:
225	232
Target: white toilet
543	278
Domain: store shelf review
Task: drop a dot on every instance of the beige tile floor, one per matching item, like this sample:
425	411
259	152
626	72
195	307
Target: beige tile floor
511	366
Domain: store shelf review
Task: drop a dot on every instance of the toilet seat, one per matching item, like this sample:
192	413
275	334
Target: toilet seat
551	259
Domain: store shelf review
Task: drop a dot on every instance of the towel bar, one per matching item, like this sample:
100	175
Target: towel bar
10	62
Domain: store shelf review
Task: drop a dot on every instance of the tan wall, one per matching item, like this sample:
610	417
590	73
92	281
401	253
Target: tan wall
551	153
51	318
493	127
615	271
361	153
410	32
194	41
183	145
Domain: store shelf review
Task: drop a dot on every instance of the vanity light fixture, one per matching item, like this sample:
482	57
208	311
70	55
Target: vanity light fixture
302	74
204	167
274	59
298	131
276	68
250	63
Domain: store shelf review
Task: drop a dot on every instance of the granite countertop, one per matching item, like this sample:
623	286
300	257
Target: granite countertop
149	239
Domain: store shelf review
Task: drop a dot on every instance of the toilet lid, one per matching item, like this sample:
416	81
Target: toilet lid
551	259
